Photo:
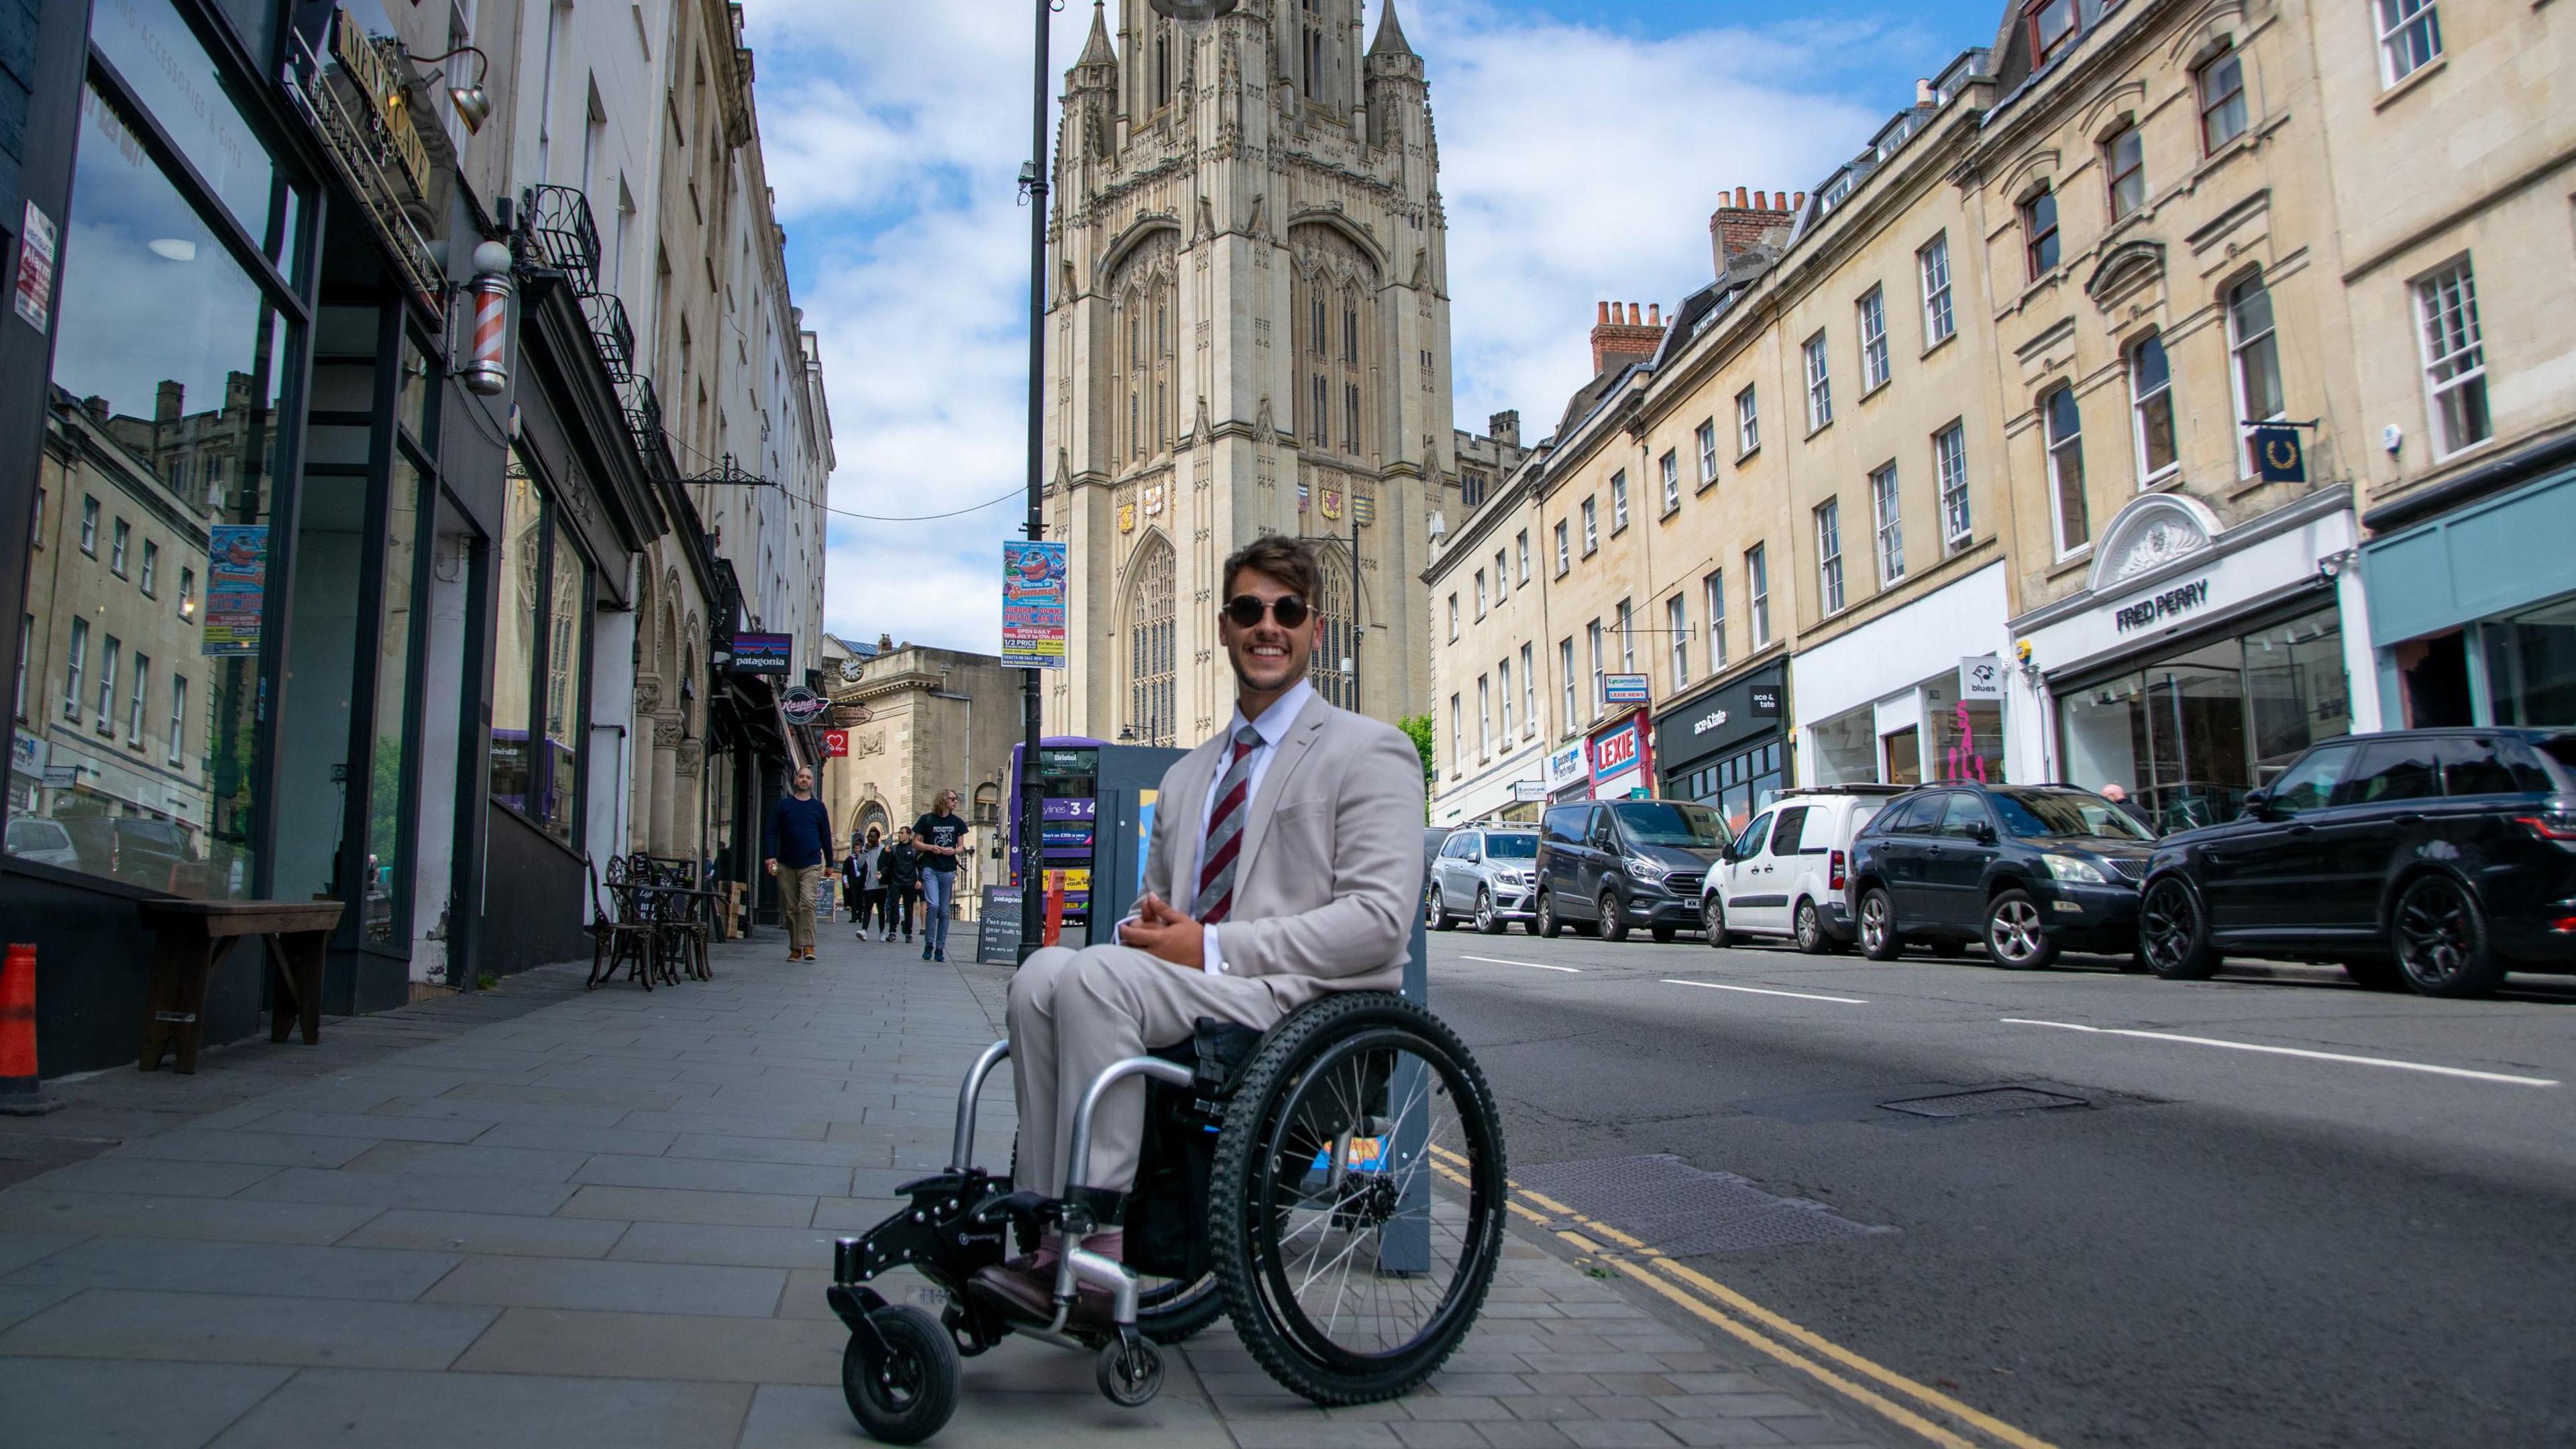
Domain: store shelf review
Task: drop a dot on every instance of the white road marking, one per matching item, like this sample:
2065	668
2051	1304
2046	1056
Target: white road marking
1533	965
1762	991
2282	1051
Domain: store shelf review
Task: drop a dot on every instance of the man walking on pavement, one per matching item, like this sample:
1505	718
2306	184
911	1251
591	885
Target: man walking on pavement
940	837
799	853
902	866
865	871
1292	838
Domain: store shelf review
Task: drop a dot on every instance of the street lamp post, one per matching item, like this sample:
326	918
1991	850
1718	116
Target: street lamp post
1033	182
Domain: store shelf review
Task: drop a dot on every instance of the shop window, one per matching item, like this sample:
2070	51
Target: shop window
2256	350
542	623
2531	666
1902	753
2455	359
1846	748
2221	84
2066	501
2434	677
2151	411
2410	37
167	363
1966	740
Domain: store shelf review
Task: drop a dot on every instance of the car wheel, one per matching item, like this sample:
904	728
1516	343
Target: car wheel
1548	925
1439	911
2173	932
2441	940
1878	938
1712	921
1487	923
2378	973
2015	934
1809	924
1613	926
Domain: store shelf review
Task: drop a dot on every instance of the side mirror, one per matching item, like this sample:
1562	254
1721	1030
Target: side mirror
2258	804
1985	832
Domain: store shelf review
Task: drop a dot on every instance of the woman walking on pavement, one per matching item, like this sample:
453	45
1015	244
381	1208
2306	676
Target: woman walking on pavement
865	872
941	838
902	866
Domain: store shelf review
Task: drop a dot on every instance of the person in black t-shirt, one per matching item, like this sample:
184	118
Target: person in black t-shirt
941	838
902	866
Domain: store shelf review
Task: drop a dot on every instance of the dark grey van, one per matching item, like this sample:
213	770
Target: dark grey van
1617	863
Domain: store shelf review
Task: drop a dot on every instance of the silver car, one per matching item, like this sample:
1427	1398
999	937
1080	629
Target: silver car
1486	875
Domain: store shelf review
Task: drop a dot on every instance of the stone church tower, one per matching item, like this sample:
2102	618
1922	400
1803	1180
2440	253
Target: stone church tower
1248	332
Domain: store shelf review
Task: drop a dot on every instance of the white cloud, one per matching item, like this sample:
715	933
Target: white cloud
1579	164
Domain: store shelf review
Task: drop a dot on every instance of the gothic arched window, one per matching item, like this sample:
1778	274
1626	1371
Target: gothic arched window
1336	285
1336	649
1146	289
1151	639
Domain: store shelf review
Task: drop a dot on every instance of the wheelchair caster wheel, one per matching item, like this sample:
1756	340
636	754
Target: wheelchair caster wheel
1130	1371
900	1379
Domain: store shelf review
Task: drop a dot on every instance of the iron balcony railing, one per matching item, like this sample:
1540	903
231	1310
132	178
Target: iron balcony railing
562	235
612	333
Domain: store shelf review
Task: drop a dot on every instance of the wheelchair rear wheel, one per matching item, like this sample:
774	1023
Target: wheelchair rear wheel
1361	1172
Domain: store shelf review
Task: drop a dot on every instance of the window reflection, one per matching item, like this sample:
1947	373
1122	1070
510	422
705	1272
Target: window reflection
159	59
164	390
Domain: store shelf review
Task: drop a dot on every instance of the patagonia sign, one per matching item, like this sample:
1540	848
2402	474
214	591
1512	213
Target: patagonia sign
2147	613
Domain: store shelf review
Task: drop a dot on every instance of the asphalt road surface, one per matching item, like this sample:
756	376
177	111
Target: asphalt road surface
2203	1245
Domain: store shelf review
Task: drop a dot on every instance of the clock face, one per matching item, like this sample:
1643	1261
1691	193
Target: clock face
850	669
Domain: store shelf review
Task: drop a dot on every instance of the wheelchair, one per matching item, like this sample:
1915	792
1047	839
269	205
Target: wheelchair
1335	1186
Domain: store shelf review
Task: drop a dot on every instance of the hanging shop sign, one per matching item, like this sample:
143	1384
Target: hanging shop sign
802	705
1525	790
1981	677
763	653
1615	753
849	716
2279	456
836	744
1034	581
1626	689
236	588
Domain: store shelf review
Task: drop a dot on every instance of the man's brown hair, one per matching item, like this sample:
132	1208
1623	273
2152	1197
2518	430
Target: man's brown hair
1289	560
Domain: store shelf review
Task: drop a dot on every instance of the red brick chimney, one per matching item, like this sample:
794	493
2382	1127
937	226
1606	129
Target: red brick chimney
1621	337
1751	221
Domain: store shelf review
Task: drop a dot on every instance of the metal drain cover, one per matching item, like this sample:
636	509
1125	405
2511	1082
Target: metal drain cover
1984	1102
1669	1205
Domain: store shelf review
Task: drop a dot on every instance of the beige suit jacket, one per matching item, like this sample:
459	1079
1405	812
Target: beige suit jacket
1330	874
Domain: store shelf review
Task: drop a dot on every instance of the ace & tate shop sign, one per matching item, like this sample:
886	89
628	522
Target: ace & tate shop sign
2172	603
1746	709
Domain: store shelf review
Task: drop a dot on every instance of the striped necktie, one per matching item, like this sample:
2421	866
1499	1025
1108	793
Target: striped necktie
1225	831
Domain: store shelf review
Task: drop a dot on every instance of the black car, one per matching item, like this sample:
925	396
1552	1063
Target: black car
2435	859
1622	862
2027	869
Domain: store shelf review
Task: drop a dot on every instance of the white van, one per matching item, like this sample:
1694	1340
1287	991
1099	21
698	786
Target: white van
1786	873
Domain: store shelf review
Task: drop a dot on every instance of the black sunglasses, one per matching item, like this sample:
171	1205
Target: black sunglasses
1246	611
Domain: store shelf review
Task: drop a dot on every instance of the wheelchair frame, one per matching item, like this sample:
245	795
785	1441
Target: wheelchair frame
900	1370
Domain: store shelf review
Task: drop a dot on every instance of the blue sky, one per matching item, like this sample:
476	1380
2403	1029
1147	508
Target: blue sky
1583	143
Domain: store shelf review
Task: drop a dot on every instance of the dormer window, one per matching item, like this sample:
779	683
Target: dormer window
2053	27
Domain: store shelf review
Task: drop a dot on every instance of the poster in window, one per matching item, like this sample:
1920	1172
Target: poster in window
236	588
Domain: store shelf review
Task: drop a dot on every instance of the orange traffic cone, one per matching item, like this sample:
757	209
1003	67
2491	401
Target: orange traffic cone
21	1093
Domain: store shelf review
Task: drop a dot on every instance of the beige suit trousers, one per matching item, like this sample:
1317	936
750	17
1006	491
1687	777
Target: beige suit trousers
1072	1014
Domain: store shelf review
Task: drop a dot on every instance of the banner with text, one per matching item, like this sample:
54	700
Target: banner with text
1033	605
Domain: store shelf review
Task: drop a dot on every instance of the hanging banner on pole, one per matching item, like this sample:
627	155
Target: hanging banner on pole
1033	605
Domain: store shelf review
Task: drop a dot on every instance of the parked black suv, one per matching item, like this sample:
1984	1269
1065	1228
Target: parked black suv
1626	861
2027	869
2435	859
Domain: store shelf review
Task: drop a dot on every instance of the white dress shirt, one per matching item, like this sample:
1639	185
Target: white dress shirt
1273	727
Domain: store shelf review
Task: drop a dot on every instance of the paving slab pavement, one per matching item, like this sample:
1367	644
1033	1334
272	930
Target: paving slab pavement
548	1217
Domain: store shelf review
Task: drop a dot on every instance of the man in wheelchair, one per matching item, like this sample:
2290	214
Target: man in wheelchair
1285	864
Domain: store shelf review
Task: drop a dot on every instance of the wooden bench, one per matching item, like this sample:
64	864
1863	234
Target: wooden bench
193	937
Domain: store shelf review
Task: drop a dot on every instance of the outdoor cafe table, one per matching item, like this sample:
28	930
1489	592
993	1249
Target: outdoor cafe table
192	938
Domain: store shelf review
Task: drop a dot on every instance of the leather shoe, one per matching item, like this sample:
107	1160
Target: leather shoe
1032	1292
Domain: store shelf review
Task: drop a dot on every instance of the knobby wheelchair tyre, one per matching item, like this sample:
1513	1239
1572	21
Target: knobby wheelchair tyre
1297	1258
903	1390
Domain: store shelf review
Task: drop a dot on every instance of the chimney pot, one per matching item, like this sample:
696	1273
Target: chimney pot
1779	201
1604	319
1740	202
1924	95
1802	199
1633	319
1655	314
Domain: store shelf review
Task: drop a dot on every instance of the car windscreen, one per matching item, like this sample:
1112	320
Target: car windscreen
1661	822
2065	812
1511	847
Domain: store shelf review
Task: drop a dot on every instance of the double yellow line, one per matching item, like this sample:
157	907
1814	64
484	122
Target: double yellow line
1917	1407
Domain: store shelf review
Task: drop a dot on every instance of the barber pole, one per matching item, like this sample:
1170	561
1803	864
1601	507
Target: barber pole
488	373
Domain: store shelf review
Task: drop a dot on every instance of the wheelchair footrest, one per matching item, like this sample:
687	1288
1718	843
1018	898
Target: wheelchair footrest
942	1231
